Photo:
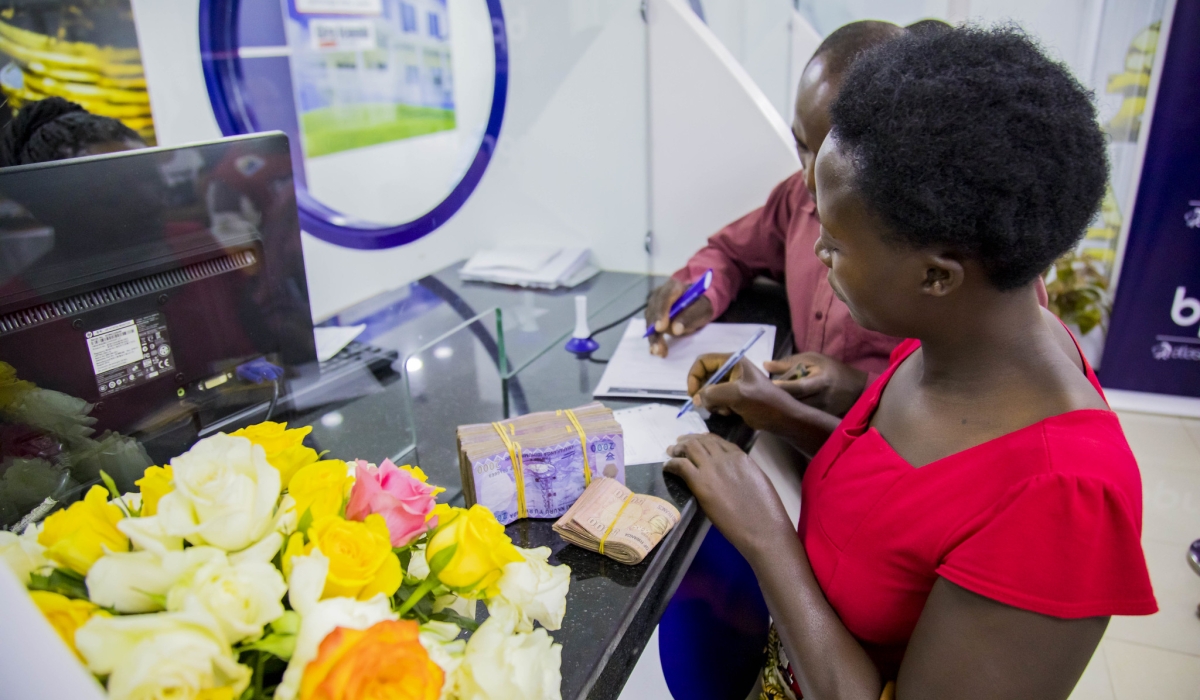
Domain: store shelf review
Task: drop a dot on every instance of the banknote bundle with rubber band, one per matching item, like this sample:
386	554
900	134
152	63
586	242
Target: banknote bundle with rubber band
616	522
537	465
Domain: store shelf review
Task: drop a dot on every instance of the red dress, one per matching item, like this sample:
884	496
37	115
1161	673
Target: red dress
1047	518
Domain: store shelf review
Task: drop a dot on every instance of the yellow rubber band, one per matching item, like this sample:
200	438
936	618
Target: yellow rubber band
514	453
614	522
587	468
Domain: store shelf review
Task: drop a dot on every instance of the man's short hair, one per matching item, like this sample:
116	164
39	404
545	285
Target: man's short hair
928	25
841	47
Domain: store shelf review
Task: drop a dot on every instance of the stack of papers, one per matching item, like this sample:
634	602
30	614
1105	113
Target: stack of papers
531	266
634	372
649	430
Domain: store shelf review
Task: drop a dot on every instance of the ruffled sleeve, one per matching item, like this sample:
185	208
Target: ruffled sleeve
1063	545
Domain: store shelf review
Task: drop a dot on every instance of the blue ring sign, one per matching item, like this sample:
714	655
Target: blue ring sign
229	80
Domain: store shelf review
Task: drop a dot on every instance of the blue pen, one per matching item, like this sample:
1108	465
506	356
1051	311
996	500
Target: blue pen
720	373
692	293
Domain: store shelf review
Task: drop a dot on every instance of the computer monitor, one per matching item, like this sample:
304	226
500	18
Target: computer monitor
163	286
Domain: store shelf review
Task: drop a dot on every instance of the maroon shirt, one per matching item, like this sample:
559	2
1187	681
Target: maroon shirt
777	241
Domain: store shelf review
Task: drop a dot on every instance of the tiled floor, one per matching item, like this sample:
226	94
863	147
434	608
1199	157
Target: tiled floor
1158	657
1140	658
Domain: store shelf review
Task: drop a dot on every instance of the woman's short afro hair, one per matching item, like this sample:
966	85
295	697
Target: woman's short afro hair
971	140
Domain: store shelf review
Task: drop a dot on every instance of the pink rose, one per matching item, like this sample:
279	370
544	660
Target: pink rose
403	500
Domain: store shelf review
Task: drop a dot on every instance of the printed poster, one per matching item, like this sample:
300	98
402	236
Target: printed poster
367	72
1154	339
83	50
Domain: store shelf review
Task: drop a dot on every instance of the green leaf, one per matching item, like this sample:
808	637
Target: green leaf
116	494
281	640
306	521
60	581
448	615
404	554
441	560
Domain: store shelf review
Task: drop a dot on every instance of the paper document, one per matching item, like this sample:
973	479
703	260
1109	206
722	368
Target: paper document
634	372
531	266
649	430
331	339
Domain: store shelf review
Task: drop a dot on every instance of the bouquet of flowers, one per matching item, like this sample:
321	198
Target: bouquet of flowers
250	567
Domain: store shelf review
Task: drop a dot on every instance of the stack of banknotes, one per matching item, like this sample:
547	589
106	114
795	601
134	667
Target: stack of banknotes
557	453
614	521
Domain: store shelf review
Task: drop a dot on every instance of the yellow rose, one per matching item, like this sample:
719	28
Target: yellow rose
361	562
321	488
155	484
65	615
285	448
468	550
76	537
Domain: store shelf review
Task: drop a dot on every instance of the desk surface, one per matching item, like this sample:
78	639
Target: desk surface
612	609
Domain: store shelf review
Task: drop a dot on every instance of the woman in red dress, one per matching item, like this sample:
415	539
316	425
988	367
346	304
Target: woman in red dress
971	525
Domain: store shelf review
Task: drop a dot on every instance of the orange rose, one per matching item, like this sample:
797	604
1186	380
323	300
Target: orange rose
384	661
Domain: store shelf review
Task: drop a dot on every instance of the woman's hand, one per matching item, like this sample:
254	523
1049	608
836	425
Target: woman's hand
745	391
658	314
731	489
819	381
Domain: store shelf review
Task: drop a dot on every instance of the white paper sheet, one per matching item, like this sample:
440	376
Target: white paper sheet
649	430
634	372
331	339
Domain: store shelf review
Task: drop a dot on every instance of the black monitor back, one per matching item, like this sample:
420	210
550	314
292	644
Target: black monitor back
141	281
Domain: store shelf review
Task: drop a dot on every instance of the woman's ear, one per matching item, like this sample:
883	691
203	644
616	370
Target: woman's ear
943	275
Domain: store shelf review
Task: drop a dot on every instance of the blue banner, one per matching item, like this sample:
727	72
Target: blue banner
1154	338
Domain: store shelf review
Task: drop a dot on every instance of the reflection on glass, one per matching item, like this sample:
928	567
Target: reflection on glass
49	449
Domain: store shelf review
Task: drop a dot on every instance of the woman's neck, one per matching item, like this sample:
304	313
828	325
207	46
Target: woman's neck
990	337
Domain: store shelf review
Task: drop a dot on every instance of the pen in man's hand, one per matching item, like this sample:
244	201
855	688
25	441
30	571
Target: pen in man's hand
689	296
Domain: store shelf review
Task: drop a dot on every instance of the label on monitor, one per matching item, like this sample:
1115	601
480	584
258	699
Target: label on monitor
130	353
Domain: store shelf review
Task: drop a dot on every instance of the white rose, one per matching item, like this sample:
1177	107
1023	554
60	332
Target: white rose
161	655
130	582
440	639
22	553
225	494
150	534
242	597
320	617
501	664
536	590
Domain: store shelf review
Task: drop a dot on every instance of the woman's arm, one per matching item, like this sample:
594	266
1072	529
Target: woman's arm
969	646
965	647
734	493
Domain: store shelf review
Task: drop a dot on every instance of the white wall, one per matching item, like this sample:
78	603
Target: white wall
718	145
570	164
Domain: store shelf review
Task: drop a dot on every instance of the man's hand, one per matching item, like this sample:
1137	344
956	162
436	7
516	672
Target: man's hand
819	381
658	311
731	489
745	391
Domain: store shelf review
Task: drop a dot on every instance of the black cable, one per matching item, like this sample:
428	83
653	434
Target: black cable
617	322
600	330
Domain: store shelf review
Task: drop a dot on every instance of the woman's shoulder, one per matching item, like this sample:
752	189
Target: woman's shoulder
1090	444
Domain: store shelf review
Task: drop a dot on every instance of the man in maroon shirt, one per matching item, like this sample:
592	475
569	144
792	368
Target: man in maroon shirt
838	357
